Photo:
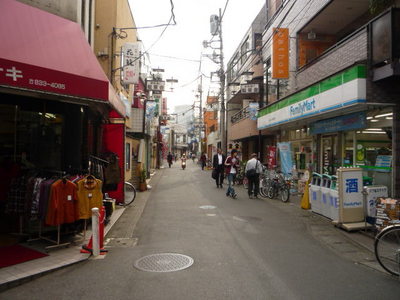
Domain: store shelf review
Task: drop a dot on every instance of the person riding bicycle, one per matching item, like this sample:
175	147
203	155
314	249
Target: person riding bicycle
169	159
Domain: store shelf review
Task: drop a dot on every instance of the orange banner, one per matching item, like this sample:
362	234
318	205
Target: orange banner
280	53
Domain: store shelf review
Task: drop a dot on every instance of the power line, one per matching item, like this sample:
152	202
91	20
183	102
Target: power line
174	57
223	13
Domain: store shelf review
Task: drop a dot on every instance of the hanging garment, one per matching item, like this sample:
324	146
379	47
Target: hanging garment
16	202
35	198
89	196
44	195
63	205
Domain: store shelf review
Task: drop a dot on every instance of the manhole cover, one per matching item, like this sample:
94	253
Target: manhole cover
208	207
164	262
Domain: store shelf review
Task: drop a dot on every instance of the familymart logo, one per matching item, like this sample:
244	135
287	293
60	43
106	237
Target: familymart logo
302	107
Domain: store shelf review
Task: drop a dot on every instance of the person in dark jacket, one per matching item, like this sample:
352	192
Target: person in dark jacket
218	166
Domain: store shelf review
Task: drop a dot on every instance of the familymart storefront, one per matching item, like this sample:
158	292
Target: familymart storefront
331	124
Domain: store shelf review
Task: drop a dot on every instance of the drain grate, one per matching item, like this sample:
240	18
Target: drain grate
207	207
164	262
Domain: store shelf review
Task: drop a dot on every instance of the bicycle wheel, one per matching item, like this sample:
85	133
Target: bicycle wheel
285	193
263	188
271	192
387	249
130	193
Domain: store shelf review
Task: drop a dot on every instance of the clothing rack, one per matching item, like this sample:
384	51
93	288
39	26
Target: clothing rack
57	243
98	159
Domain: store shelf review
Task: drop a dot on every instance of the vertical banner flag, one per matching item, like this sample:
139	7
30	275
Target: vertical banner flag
285	154
271	157
130	63
280	53
253	110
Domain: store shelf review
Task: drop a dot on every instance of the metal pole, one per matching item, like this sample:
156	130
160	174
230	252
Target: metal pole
201	111
95	231
222	80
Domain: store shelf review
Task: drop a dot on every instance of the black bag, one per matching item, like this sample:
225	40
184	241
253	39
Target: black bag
214	174
252	172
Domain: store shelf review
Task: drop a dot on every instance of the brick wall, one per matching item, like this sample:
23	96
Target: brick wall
336	60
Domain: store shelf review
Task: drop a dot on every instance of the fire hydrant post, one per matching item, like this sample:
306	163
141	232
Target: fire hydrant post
95	228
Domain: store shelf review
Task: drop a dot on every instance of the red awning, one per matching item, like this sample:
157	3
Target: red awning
41	51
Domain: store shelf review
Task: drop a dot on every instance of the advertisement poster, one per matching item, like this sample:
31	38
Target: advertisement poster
253	110
285	154
271	157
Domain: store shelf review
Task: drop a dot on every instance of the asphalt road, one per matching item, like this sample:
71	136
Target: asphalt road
242	249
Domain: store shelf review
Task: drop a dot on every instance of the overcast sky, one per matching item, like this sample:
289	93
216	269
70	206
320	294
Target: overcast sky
184	40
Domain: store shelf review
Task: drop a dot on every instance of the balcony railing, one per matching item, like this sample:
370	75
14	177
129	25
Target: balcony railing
240	115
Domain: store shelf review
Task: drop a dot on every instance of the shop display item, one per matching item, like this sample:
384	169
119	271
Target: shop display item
387	212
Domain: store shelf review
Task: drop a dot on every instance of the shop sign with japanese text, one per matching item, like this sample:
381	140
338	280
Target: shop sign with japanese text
130	63
280	53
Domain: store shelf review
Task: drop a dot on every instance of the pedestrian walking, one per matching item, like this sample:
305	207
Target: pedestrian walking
169	159
218	166
231	167
253	170
203	160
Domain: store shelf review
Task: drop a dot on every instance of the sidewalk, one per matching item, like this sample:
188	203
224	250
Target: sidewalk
62	257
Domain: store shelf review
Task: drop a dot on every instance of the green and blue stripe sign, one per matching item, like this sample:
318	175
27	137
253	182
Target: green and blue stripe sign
339	91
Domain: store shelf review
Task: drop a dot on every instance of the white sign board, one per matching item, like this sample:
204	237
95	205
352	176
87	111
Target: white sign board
351	201
130	63
347	94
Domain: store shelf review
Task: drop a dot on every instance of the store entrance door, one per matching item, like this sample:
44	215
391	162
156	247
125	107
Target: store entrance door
329	154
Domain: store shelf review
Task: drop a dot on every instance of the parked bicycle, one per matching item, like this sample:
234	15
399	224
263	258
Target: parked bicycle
387	249
130	193
241	178
279	187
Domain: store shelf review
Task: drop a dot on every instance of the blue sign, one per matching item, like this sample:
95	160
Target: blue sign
352	185
347	122
285	153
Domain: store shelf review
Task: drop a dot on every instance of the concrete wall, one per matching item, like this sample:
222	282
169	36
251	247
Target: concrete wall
340	58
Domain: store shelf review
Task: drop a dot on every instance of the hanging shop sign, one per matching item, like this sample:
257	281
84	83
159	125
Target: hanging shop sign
280	53
253	88
341	123
351	205
337	92
130	63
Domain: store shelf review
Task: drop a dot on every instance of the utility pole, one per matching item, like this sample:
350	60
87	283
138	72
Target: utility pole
222	80
201	111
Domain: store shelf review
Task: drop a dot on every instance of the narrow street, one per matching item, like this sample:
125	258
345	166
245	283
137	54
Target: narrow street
242	249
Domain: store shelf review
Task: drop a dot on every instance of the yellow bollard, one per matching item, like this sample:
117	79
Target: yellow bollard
305	201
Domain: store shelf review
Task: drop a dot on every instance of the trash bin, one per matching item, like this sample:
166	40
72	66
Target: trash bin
315	193
372	193
325	194
334	199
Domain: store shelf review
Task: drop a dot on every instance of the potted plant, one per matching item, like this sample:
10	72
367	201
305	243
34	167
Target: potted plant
143	183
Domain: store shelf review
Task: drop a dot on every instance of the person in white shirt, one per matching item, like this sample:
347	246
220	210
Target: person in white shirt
254	179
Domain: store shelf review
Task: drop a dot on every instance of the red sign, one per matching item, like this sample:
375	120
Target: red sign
271	157
31	77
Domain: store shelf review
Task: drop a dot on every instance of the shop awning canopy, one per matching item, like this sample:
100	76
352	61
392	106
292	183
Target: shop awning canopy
42	52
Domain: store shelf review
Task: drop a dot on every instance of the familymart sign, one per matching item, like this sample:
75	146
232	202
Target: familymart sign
337	92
